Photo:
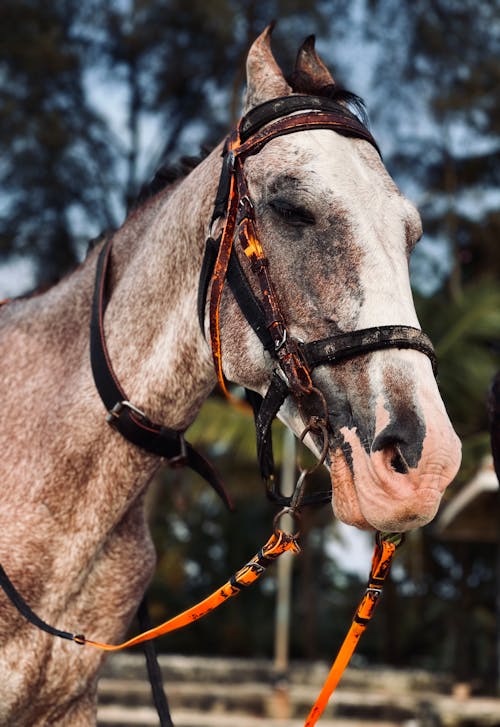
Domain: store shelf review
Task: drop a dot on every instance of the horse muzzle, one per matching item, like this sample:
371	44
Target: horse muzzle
397	482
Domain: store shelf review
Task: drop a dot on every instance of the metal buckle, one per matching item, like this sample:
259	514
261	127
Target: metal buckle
278	345
115	412
180	460
246	202
294	514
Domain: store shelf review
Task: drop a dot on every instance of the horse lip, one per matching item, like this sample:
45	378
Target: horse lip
373	494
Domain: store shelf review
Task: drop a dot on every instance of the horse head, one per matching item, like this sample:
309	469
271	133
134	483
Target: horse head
337	234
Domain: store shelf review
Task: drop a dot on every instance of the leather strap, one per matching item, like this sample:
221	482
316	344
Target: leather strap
154	670
207	269
222	196
264	417
269	111
248	302
126	418
344	346
306	121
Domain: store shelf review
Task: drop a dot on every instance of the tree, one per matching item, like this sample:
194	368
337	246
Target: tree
54	149
175	68
446	74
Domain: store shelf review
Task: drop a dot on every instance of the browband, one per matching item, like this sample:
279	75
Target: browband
293	113
277	108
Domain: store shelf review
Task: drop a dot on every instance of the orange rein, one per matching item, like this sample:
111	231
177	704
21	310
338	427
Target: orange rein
385	549
278	543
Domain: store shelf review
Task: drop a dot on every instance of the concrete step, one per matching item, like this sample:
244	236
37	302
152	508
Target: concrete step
113	716
206	692
178	668
445	711
260	700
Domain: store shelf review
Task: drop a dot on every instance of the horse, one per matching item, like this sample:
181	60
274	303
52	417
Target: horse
337	234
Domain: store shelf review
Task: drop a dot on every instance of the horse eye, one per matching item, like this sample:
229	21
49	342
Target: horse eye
292	214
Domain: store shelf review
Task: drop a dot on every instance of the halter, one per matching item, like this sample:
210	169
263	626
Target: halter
293	360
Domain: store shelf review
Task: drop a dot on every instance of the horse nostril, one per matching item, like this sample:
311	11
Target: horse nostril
401	441
392	446
398	462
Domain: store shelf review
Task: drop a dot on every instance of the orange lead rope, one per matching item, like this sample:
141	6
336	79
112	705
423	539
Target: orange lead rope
385	549
278	543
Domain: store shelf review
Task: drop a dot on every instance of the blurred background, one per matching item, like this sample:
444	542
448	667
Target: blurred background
94	96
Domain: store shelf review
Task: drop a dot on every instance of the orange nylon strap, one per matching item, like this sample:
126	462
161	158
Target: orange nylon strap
239	150
385	549
219	273
278	543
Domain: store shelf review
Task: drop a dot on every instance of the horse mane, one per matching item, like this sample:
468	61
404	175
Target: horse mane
304	83
167	175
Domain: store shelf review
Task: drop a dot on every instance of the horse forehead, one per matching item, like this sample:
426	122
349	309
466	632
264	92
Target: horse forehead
350	163
326	162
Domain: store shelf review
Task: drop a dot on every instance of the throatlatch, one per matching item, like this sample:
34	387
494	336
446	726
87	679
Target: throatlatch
124	416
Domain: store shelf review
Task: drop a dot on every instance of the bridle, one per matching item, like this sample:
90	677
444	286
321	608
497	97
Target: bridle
293	360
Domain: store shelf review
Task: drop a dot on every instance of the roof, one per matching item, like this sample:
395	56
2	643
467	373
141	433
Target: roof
474	513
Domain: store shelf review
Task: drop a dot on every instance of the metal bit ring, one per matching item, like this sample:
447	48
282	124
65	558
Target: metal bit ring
315	424
294	514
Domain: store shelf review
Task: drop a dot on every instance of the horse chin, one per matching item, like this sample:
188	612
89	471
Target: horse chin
345	501
370	497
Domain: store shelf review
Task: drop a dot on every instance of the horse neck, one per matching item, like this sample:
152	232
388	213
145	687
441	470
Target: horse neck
155	343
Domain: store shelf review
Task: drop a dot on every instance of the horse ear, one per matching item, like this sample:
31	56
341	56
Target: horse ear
310	74
265	79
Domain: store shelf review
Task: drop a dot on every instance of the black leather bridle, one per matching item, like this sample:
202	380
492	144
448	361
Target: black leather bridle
294	361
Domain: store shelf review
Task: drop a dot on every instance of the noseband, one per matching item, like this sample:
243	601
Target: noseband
294	360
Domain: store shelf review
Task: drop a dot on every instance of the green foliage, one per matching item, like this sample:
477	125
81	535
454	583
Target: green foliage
463	332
